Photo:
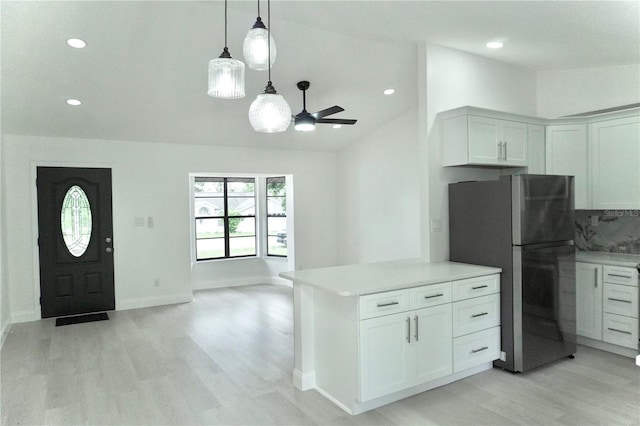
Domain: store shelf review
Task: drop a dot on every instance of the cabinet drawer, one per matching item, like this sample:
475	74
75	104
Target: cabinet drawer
620	330
476	314
476	348
620	275
474	287
430	295
389	302
620	300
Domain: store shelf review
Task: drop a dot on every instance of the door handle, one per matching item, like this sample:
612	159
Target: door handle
595	271
479	315
108	249
619	300
381	305
499	151
408	330
416	320
484	348
435	295
619	331
479	287
505	151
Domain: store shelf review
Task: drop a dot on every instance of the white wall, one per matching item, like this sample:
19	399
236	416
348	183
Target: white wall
152	180
455	79
573	91
5	313
379	194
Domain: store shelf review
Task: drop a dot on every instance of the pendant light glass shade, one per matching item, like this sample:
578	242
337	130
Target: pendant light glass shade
256	50
270	112
226	77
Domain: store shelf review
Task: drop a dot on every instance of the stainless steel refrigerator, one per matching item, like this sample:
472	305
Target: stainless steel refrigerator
524	224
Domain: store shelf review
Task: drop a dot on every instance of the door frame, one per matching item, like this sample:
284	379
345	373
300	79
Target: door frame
34	224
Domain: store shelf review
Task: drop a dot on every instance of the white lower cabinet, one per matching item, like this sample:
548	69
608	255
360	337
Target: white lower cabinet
403	350
445	328
607	302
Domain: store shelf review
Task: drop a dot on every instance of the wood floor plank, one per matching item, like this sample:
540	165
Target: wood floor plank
227	359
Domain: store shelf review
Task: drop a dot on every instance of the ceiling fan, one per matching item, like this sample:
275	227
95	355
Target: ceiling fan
305	121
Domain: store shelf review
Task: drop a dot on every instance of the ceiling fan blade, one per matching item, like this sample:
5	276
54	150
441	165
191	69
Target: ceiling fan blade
328	111
336	121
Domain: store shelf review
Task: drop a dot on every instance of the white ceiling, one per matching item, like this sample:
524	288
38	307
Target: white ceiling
143	75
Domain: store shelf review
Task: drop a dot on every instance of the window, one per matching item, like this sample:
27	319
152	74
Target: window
225	217
276	216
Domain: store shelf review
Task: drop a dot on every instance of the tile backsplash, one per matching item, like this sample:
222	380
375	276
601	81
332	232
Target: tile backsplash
615	231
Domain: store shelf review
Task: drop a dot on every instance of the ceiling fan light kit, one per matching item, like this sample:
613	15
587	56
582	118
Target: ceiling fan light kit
226	75
306	122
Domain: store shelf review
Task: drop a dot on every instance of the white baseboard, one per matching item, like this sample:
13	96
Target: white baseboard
304	381
209	285
607	347
24	316
6	329
147	302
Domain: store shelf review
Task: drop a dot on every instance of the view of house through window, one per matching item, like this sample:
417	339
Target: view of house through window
231	220
276	216
225	217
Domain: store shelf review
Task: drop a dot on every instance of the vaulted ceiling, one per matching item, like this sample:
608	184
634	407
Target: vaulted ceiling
143	74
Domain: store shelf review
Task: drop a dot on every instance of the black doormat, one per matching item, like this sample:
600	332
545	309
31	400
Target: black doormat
82	318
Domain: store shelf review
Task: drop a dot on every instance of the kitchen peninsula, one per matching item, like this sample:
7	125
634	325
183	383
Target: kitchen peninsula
369	334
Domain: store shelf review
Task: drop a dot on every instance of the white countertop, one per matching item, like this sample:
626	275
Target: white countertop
606	258
366	278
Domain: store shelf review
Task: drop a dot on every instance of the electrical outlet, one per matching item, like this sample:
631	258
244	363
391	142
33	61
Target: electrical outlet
139	221
594	220
150	222
503	356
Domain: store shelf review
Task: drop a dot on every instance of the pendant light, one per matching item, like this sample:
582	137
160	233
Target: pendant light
226	75
270	112
255	47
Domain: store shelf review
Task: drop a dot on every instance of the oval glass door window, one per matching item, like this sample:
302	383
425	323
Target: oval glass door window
75	221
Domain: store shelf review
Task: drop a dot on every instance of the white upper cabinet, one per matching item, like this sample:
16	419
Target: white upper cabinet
615	163
567	154
471	139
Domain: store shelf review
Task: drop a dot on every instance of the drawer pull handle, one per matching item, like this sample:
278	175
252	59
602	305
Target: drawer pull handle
382	305
484	348
479	315
618	275
408	330
619	331
479	287
435	295
619	300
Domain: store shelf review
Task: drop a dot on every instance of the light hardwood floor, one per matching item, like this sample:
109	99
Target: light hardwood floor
227	358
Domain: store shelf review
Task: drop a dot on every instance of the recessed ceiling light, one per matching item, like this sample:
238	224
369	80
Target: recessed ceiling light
495	45
337	126
389	91
73	102
77	43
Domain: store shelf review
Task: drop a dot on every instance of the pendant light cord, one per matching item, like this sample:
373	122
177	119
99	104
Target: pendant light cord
268	35
258	8
225	24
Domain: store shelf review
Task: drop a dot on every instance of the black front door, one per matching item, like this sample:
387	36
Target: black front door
75	240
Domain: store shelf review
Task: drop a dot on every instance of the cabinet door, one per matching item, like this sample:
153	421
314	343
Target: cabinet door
386	355
513	136
433	343
566	152
483	140
535	149
589	300
615	163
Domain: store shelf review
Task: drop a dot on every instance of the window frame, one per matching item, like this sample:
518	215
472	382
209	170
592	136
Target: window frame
283	179
226	217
